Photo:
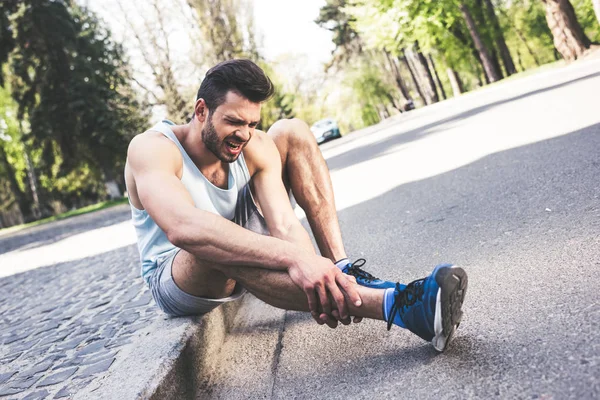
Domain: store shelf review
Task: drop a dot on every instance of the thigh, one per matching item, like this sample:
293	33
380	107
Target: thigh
173	300
196	278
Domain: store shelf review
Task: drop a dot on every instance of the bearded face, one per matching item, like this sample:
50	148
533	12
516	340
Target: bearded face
226	149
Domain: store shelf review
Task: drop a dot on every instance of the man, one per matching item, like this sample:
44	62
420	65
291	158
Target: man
211	209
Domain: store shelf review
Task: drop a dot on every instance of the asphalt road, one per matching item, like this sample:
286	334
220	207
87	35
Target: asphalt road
504	182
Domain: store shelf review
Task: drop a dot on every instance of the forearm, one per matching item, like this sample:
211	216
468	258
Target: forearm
213	238
295	234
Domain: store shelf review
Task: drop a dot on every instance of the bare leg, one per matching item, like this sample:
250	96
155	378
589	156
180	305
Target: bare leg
204	279
306	174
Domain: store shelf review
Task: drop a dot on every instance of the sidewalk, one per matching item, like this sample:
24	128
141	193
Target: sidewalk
84	327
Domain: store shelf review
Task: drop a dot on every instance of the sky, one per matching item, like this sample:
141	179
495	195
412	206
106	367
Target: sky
287	27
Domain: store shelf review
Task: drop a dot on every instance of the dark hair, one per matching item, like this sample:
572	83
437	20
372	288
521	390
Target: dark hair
241	76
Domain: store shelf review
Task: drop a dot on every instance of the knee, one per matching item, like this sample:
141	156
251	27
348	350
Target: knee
293	132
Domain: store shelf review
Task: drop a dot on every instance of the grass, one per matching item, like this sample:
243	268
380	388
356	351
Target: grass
84	210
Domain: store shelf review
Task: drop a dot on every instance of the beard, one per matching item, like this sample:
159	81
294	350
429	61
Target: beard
211	140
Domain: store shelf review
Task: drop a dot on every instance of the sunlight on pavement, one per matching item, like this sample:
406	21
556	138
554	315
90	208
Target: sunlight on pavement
439	148
71	248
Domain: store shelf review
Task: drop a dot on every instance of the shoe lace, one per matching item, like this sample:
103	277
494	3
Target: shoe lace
405	298
355	270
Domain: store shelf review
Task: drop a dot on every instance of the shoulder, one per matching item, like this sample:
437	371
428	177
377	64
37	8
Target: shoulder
153	149
261	152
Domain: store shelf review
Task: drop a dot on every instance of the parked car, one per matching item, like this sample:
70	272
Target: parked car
325	129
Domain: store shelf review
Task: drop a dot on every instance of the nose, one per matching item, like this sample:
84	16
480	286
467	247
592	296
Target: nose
243	134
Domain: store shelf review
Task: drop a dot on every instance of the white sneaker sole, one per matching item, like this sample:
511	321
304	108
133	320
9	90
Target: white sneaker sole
448	309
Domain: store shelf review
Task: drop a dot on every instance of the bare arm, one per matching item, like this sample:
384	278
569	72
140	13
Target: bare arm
284	224
154	161
154	164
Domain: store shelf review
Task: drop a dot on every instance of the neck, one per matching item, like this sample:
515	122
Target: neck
190	137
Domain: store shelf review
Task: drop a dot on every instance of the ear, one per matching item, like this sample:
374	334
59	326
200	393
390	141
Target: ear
200	110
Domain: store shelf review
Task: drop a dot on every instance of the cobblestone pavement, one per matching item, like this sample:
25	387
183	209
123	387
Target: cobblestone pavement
64	325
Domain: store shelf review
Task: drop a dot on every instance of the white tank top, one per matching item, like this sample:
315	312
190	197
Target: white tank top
152	241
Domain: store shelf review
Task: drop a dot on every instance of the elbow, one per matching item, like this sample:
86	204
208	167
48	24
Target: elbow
283	230
177	236
174	236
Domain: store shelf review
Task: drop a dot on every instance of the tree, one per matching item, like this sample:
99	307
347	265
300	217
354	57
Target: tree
569	38
76	109
490	69
155	48
507	60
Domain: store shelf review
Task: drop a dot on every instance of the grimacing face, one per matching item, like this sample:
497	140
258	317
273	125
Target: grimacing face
229	128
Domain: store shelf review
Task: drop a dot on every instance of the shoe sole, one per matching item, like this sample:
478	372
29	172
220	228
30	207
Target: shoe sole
453	282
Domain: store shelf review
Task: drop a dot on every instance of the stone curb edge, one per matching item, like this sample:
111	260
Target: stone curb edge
167	359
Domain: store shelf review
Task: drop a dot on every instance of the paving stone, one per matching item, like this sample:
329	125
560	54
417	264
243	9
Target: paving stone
96	358
130	294
58	377
101	319
24	346
72	388
120	341
41	351
92	348
109	332
71	362
9	358
5	377
54	338
99	304
16	337
19	385
48	327
96	368
39	395
143	301
41	367
70	344
6	391
128	317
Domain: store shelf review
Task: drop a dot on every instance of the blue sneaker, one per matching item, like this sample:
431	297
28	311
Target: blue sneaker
364	278
429	307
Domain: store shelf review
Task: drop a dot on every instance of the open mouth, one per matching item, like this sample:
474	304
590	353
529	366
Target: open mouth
233	145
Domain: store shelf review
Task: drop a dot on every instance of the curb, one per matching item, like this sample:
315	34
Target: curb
167	360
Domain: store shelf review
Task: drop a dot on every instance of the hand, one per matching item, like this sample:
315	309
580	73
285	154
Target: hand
320	279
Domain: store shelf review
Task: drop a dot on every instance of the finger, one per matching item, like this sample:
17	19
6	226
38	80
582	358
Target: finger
339	299
324	299
313	304
329	320
349	289
317	318
352	279
336	315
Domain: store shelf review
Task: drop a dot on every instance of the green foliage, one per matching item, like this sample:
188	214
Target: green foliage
586	16
70	81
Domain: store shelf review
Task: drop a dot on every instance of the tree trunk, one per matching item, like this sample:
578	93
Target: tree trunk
492	74
531	53
596	4
437	77
20	197
509	65
404	60
569	38
455	82
399	81
425	73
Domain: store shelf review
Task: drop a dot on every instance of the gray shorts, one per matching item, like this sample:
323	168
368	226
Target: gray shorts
174	301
